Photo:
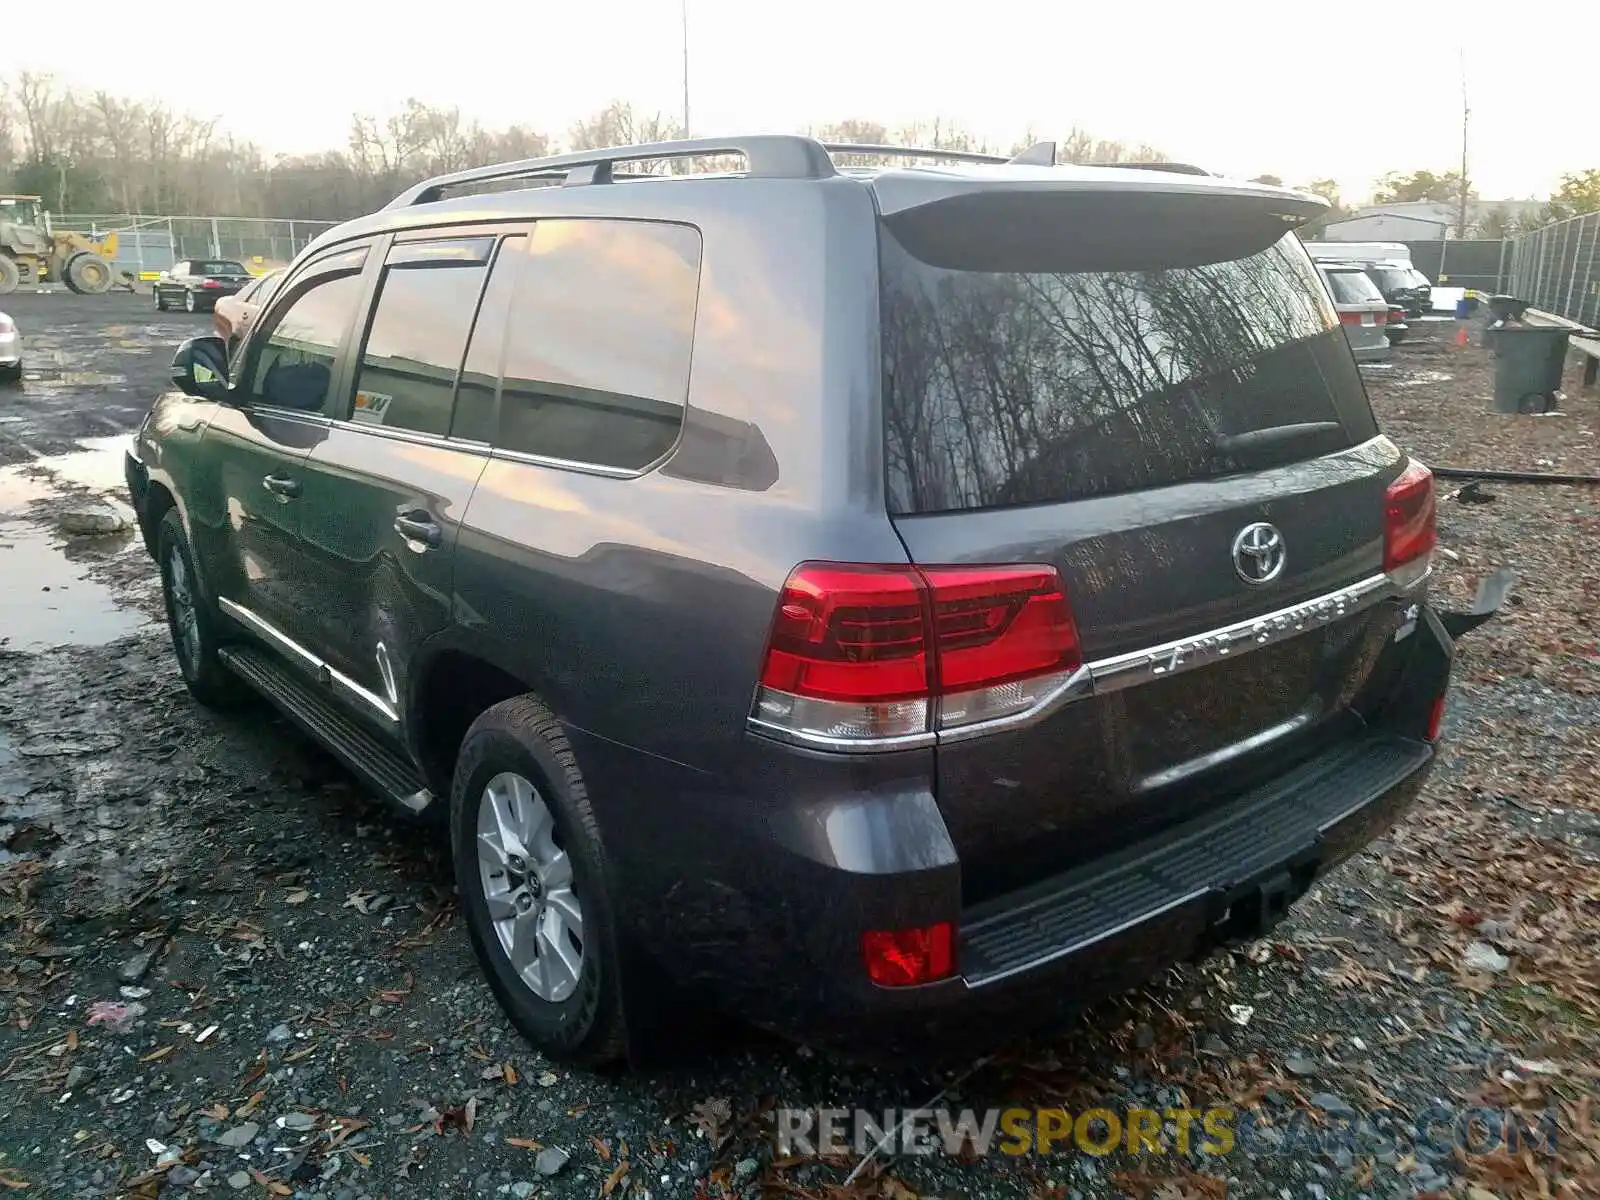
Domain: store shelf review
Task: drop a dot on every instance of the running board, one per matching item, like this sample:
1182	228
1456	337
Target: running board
305	704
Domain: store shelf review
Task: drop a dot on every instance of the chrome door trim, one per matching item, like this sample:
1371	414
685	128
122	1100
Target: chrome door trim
328	676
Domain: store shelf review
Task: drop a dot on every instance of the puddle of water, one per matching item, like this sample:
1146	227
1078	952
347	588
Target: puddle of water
51	601
98	466
20	487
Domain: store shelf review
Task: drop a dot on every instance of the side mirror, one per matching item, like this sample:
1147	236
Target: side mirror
200	368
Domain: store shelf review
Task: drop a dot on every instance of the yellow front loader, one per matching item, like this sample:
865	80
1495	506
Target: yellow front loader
32	252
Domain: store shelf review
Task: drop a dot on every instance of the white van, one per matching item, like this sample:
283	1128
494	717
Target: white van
1359	251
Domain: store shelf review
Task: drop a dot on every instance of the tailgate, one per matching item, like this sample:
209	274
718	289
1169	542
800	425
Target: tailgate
1191	448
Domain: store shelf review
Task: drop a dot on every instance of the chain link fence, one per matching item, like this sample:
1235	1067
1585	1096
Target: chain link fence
1557	269
149	245
1482	264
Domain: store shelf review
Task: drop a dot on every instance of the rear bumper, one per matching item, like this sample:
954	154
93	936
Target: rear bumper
754	894
1067	942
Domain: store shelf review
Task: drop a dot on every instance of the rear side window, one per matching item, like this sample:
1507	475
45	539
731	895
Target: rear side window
596	360
1009	387
425	306
1352	287
218	267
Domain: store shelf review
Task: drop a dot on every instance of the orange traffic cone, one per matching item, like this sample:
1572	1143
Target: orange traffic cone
1461	336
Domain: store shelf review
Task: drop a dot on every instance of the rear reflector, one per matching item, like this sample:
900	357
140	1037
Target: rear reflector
907	957
863	653
1409	533
1435	719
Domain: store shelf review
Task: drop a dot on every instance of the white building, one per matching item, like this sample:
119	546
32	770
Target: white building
1420	220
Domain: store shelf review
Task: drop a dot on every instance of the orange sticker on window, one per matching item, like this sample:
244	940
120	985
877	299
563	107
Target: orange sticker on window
371	408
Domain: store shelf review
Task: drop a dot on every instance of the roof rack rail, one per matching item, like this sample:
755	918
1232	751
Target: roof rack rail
1040	154
1175	167
912	152
769	156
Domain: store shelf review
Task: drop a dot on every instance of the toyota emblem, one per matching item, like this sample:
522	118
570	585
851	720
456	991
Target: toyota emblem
1258	553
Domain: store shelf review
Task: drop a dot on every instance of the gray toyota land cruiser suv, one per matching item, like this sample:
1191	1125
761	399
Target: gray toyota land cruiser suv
871	598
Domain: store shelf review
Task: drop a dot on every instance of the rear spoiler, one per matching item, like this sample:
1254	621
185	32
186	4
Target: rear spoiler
1108	221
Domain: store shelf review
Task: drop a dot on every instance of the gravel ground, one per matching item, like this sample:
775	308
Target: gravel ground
300	1015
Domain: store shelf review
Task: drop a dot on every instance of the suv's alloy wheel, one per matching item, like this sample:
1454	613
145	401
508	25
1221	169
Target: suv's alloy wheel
192	620
529	866
527	885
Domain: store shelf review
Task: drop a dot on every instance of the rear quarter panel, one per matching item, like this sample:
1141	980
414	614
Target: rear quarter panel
639	608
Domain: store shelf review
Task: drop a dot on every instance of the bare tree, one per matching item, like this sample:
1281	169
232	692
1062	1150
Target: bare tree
96	152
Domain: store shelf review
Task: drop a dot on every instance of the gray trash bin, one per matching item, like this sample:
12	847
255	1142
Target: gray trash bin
1529	361
1507	308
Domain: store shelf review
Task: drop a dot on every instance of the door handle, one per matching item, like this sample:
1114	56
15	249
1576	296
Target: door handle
421	528
282	486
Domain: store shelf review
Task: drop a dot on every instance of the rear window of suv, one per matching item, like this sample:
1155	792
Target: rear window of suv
1005	388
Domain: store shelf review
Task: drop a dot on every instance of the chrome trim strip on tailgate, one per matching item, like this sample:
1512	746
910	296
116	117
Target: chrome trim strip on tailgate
1185	654
1106	675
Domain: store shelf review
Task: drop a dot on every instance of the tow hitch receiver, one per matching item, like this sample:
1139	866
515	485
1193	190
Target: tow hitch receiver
1492	593
1252	911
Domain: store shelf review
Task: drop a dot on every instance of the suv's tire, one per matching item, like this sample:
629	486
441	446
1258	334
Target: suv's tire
190	304
519	742
193	621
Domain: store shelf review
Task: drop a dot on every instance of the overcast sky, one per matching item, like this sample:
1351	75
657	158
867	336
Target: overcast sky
1242	87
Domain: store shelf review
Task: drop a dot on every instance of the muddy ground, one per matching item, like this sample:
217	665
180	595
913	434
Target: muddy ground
300	1014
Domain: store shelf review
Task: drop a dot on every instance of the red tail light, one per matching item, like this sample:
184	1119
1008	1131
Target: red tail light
211	283
1409	532
1381	316
861	652
905	957
1349	318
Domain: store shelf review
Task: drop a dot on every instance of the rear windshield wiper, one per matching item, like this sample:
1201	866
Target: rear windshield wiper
1236	445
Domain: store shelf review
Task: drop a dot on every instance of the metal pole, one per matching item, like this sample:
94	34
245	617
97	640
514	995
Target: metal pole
1461	223
216	241
1572	280
1588	268
1538	267
1554	279
683	13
